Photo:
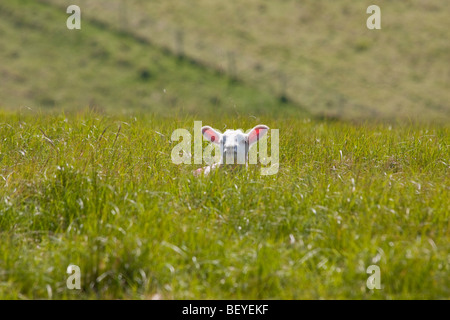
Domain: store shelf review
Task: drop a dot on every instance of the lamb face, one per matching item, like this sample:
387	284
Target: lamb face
234	147
234	144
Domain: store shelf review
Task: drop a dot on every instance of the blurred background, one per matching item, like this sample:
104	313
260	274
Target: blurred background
310	58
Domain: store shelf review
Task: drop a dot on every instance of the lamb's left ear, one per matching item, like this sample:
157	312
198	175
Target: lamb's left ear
257	133
211	135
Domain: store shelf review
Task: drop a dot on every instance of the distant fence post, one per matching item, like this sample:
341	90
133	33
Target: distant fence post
123	22
283	87
179	44
231	65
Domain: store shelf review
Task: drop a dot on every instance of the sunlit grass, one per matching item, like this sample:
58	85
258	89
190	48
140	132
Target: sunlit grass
101	192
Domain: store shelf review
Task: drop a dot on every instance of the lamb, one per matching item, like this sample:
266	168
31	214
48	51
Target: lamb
233	145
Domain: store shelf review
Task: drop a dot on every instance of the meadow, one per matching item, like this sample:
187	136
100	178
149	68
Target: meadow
86	176
101	192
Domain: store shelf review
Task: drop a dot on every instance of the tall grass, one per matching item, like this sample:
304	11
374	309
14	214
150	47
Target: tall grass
101	192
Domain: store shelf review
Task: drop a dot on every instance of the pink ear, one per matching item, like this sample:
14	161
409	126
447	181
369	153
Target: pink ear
256	133
210	134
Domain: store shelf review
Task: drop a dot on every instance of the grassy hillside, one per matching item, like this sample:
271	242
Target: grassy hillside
101	193
46	66
318	53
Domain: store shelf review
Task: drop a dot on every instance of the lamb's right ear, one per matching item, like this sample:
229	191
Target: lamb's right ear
211	135
256	133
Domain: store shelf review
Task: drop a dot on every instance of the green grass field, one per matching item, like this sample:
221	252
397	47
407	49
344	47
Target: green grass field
101	192
86	176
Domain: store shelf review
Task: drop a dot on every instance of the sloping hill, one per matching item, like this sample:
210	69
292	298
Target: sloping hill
320	54
44	65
